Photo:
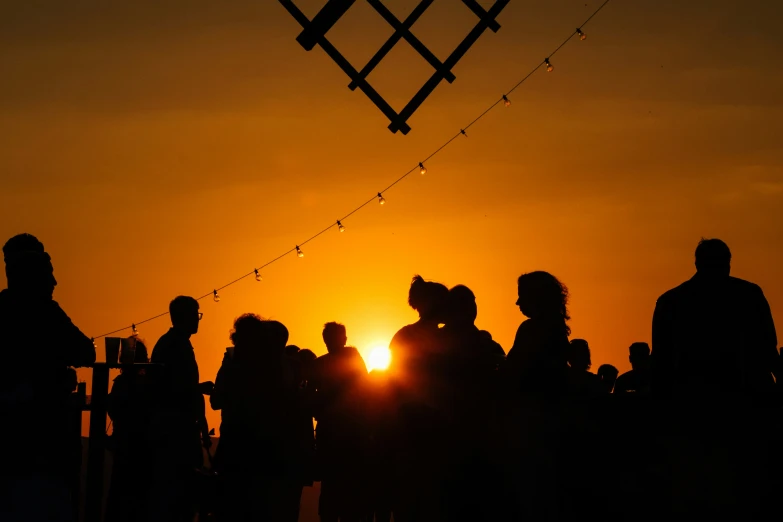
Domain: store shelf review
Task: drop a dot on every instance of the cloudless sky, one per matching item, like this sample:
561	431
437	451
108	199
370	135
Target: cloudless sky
166	148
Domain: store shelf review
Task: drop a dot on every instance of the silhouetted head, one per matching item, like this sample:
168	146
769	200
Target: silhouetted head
184	314
608	375
275	336
291	350
28	267
579	355
334	337
461	307
247	336
713	258
428	298
142	355
639	356
541	295
306	359
306	356
607	371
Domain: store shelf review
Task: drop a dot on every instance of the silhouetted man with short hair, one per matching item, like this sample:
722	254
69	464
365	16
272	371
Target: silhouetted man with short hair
38	343
178	420
582	381
342	432
714	333
638	379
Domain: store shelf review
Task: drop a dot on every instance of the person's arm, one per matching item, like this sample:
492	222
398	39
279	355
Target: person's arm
767	340
79	349
218	398
662	357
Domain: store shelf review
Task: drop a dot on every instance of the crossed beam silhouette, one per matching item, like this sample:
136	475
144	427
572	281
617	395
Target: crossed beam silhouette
314	33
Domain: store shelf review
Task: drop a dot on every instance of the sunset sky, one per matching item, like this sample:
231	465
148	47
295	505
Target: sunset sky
166	148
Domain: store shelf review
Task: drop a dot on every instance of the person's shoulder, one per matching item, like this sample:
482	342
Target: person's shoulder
744	286
674	293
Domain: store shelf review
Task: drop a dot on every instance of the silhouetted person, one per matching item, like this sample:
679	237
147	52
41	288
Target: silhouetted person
382	423
583	383
259	434
129	410
608	375
537	362
714	351
39	343
417	354
472	385
536	375
638	379
176	423
714	333
341	431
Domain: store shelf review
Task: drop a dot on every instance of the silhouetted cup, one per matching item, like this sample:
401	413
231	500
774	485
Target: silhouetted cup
113	349
128	354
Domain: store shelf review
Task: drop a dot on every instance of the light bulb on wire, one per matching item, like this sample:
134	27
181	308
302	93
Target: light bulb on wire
422	169
549	66
381	199
258	275
299	251
340	226
462	131
134	330
215	296
582	35
506	101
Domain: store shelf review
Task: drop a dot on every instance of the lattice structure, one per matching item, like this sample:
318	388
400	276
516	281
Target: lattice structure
314	33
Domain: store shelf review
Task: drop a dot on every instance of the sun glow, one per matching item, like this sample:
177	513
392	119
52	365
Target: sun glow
379	358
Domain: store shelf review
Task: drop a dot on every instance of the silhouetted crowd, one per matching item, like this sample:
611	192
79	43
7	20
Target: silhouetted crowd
455	429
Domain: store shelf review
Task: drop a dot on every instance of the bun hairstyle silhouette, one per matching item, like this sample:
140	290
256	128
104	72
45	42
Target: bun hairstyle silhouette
428	298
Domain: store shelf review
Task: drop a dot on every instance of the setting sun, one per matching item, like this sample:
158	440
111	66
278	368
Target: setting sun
379	358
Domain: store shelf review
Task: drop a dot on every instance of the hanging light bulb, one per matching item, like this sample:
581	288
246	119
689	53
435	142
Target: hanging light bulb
134	330
422	168
258	275
381	200
215	296
582	35
506	101
549	66
462	131
299	251
340	226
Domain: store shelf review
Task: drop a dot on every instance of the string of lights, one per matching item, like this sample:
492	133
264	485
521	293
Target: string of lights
419	167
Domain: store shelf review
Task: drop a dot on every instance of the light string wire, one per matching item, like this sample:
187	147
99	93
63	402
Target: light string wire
418	166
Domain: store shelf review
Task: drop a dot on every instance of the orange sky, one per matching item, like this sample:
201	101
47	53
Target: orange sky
164	149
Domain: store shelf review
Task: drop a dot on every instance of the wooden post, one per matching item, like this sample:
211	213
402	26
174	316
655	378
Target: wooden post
97	445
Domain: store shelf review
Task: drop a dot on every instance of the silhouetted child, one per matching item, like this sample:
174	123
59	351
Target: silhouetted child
638	379
129	409
342	436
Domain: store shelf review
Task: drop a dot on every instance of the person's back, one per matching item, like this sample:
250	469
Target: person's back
637	380
39	342
714	333
581	382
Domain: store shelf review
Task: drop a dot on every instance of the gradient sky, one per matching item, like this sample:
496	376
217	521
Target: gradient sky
165	148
